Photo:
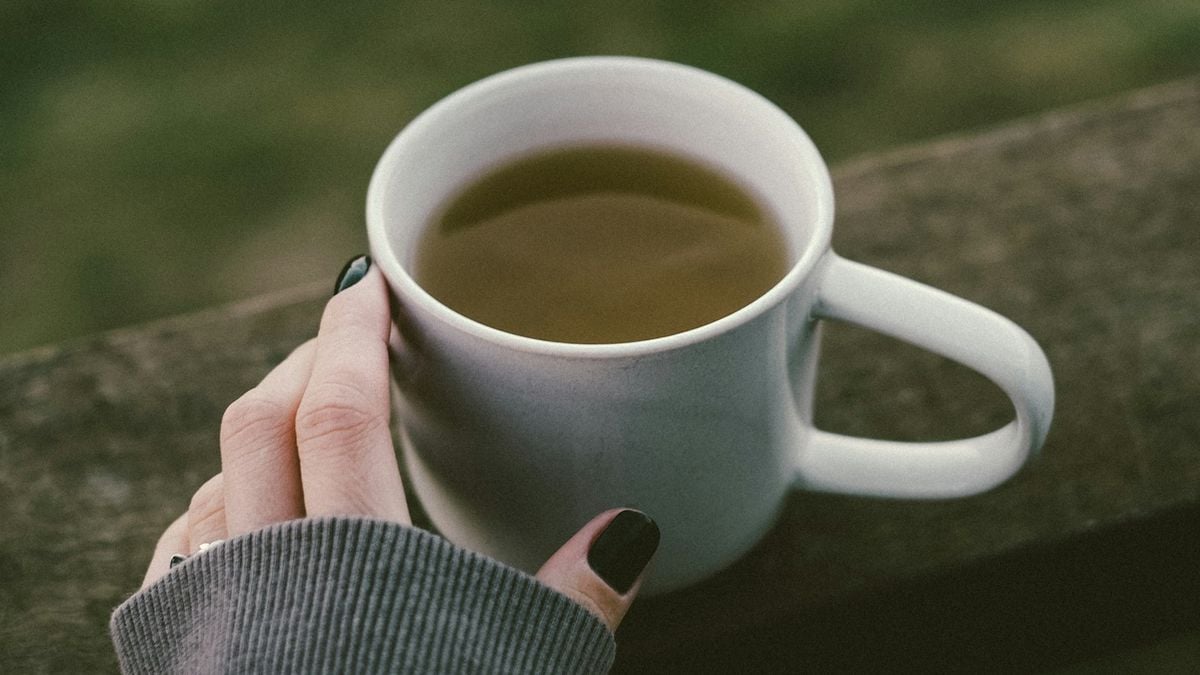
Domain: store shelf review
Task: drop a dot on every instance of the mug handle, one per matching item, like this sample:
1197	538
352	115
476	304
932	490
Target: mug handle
959	330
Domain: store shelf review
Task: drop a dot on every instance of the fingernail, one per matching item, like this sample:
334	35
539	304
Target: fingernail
622	550
352	273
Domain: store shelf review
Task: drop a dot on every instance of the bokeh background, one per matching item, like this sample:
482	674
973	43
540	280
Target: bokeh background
159	156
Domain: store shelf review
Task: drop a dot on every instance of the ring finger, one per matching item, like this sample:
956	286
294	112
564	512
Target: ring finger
206	514
173	540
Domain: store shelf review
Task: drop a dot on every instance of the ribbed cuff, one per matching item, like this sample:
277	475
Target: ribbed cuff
353	595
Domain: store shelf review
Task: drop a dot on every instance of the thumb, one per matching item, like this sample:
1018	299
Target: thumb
601	567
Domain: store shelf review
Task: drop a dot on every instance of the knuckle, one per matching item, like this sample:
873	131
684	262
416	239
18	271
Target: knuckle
252	420
172	533
337	412
204	523
207	505
166	539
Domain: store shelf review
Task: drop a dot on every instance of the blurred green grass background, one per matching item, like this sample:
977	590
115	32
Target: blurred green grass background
161	156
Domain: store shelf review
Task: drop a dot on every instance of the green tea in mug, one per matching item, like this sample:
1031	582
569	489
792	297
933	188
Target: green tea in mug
600	244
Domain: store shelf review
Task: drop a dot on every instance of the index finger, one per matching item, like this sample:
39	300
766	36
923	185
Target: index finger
347	461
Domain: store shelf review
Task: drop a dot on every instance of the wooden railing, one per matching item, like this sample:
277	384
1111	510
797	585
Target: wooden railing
1082	225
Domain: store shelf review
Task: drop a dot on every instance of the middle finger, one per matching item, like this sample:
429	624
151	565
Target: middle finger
258	447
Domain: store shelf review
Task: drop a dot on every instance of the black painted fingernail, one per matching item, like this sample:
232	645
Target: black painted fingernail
622	550
352	273
176	559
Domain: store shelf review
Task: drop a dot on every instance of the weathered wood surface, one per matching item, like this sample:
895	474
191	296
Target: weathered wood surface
1081	226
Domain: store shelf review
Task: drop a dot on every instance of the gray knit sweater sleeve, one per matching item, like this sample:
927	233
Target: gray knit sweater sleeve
353	595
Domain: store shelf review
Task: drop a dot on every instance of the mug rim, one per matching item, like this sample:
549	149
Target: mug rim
405	287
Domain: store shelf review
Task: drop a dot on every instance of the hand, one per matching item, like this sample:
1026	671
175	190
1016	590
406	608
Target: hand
312	439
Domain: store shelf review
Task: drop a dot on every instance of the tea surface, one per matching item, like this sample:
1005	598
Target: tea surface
600	244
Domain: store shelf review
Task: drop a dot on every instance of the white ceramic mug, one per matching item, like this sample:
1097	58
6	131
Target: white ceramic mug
512	443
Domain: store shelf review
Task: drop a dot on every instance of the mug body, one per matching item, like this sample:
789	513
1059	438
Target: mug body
513	443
